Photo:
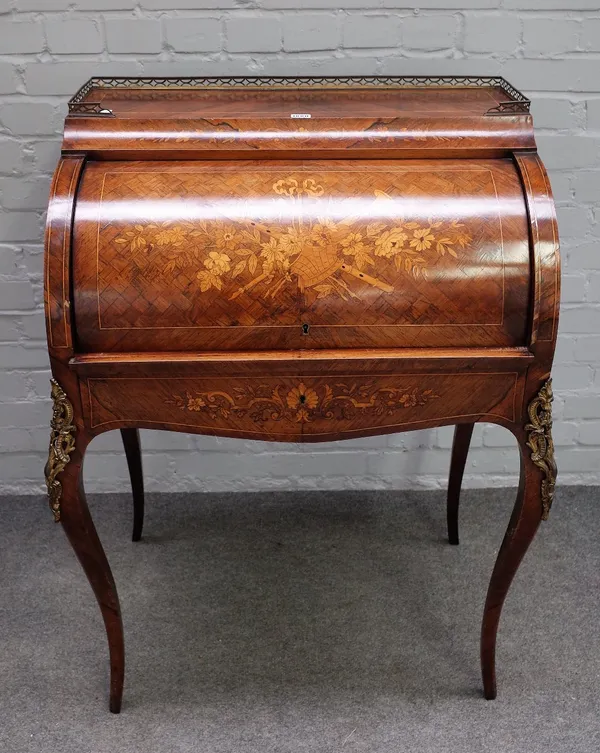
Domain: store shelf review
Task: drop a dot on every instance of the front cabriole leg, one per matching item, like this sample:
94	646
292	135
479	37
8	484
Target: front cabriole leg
534	499
63	472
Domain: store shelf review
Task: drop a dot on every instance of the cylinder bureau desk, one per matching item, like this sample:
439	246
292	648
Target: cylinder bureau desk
300	260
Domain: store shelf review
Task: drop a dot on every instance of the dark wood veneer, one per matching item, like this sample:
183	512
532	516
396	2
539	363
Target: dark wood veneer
215	265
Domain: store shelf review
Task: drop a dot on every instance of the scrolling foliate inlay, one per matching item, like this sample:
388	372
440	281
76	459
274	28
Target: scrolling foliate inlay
62	444
302	403
539	441
319	255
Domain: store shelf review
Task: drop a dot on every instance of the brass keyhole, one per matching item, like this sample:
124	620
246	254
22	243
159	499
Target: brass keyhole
305	328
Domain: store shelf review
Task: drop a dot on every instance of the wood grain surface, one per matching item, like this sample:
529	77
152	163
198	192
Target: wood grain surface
300	255
302	408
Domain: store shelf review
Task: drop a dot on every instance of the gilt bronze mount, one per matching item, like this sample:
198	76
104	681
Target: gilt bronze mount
539	440
62	444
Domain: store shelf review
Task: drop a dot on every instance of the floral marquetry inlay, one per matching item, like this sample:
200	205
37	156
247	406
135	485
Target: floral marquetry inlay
302	403
303	242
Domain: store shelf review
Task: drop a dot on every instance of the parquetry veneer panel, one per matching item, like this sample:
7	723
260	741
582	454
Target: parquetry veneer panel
179	256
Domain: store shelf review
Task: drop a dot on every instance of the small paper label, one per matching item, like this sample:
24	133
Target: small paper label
300	115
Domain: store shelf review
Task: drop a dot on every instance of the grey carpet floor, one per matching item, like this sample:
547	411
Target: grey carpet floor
300	622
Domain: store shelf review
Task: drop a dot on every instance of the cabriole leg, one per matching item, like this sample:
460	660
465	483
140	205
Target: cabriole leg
460	450
534	499
133	453
69	506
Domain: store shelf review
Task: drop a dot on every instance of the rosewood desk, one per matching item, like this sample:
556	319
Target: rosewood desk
300	260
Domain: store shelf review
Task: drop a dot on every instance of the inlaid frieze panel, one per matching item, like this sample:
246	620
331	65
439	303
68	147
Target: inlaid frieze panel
306	407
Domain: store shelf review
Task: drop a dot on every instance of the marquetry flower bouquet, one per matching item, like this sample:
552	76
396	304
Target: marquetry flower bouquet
305	247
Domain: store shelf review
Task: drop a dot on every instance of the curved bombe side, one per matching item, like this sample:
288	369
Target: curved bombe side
57	258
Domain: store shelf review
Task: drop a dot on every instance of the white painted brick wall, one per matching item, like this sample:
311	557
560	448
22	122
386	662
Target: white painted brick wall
48	48
194	34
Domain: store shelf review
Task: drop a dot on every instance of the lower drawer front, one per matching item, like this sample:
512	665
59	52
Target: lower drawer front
303	408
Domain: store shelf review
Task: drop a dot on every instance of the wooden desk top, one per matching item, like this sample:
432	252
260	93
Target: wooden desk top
381	115
280	101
